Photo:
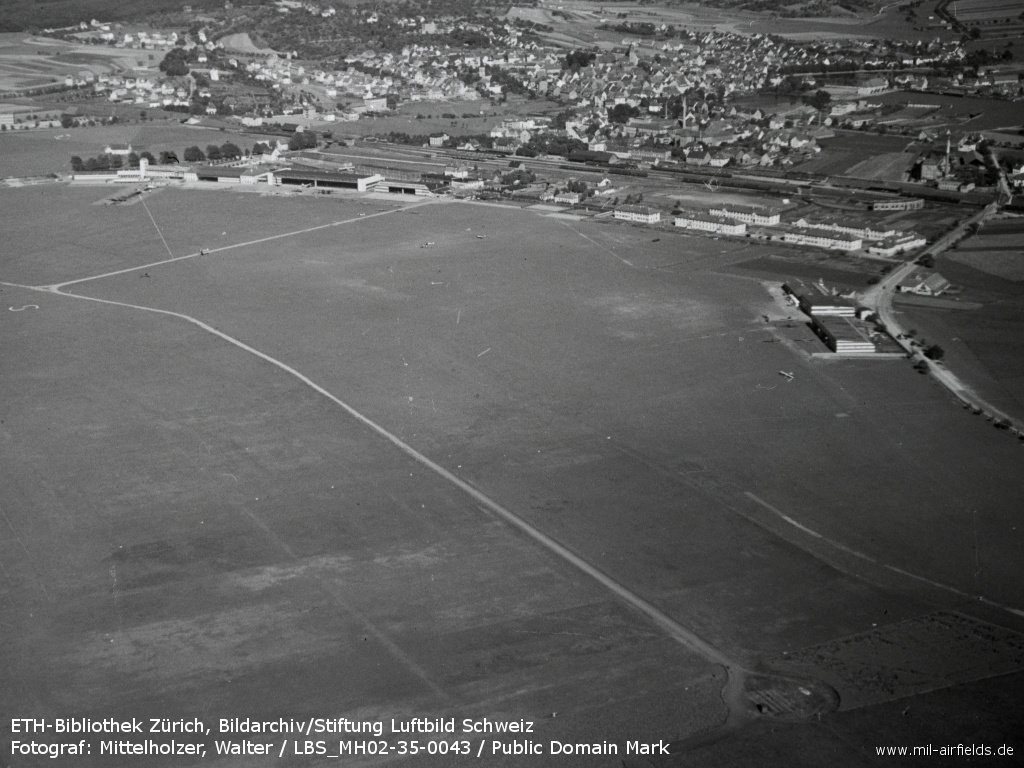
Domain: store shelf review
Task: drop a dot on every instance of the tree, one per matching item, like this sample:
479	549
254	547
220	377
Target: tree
77	164
578	59
620	113
133	160
820	100
148	157
168	158
230	151
212	152
66	121
261	148
174	63
98	163
303	140
193	154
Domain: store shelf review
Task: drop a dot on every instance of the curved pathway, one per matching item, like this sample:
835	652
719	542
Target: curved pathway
879	298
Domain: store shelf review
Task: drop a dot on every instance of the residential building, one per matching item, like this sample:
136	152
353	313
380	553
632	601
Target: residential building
761	217
924	283
638	213
714	224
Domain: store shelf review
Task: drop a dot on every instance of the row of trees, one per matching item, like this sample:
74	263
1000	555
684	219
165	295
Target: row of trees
107	162
226	151
193	154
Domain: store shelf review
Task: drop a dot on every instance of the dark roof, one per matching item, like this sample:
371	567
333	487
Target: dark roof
826	301
641	209
304	174
220	171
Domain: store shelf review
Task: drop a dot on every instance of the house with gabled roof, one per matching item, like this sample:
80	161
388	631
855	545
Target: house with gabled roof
924	283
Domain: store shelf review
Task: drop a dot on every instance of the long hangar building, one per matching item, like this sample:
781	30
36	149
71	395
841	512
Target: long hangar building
300	177
330	179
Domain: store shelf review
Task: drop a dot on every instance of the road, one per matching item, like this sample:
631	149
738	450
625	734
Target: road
880	297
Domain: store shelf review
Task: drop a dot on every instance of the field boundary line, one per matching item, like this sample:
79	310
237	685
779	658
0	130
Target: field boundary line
156	226
873	561
371	627
55	287
597	244
685	637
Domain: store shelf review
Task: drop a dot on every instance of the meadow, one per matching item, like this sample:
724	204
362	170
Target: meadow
199	532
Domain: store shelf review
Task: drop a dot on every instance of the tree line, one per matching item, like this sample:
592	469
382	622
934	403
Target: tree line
193	154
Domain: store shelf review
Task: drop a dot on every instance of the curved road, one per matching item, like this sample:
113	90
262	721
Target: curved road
879	298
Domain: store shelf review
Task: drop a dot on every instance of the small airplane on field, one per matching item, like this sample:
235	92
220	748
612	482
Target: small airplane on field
789	376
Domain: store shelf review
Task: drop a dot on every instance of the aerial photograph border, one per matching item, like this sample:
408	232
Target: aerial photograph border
563	383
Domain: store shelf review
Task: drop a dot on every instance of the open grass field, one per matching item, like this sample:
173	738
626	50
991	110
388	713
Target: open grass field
513	445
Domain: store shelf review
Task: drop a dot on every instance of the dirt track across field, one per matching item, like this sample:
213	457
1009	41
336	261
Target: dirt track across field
269	481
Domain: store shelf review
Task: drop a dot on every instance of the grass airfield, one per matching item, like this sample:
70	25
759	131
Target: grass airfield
197	533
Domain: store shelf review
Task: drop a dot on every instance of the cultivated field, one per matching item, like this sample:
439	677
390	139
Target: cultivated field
484	116
986	343
1008	263
995	249
27	62
891	166
198	531
964	112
